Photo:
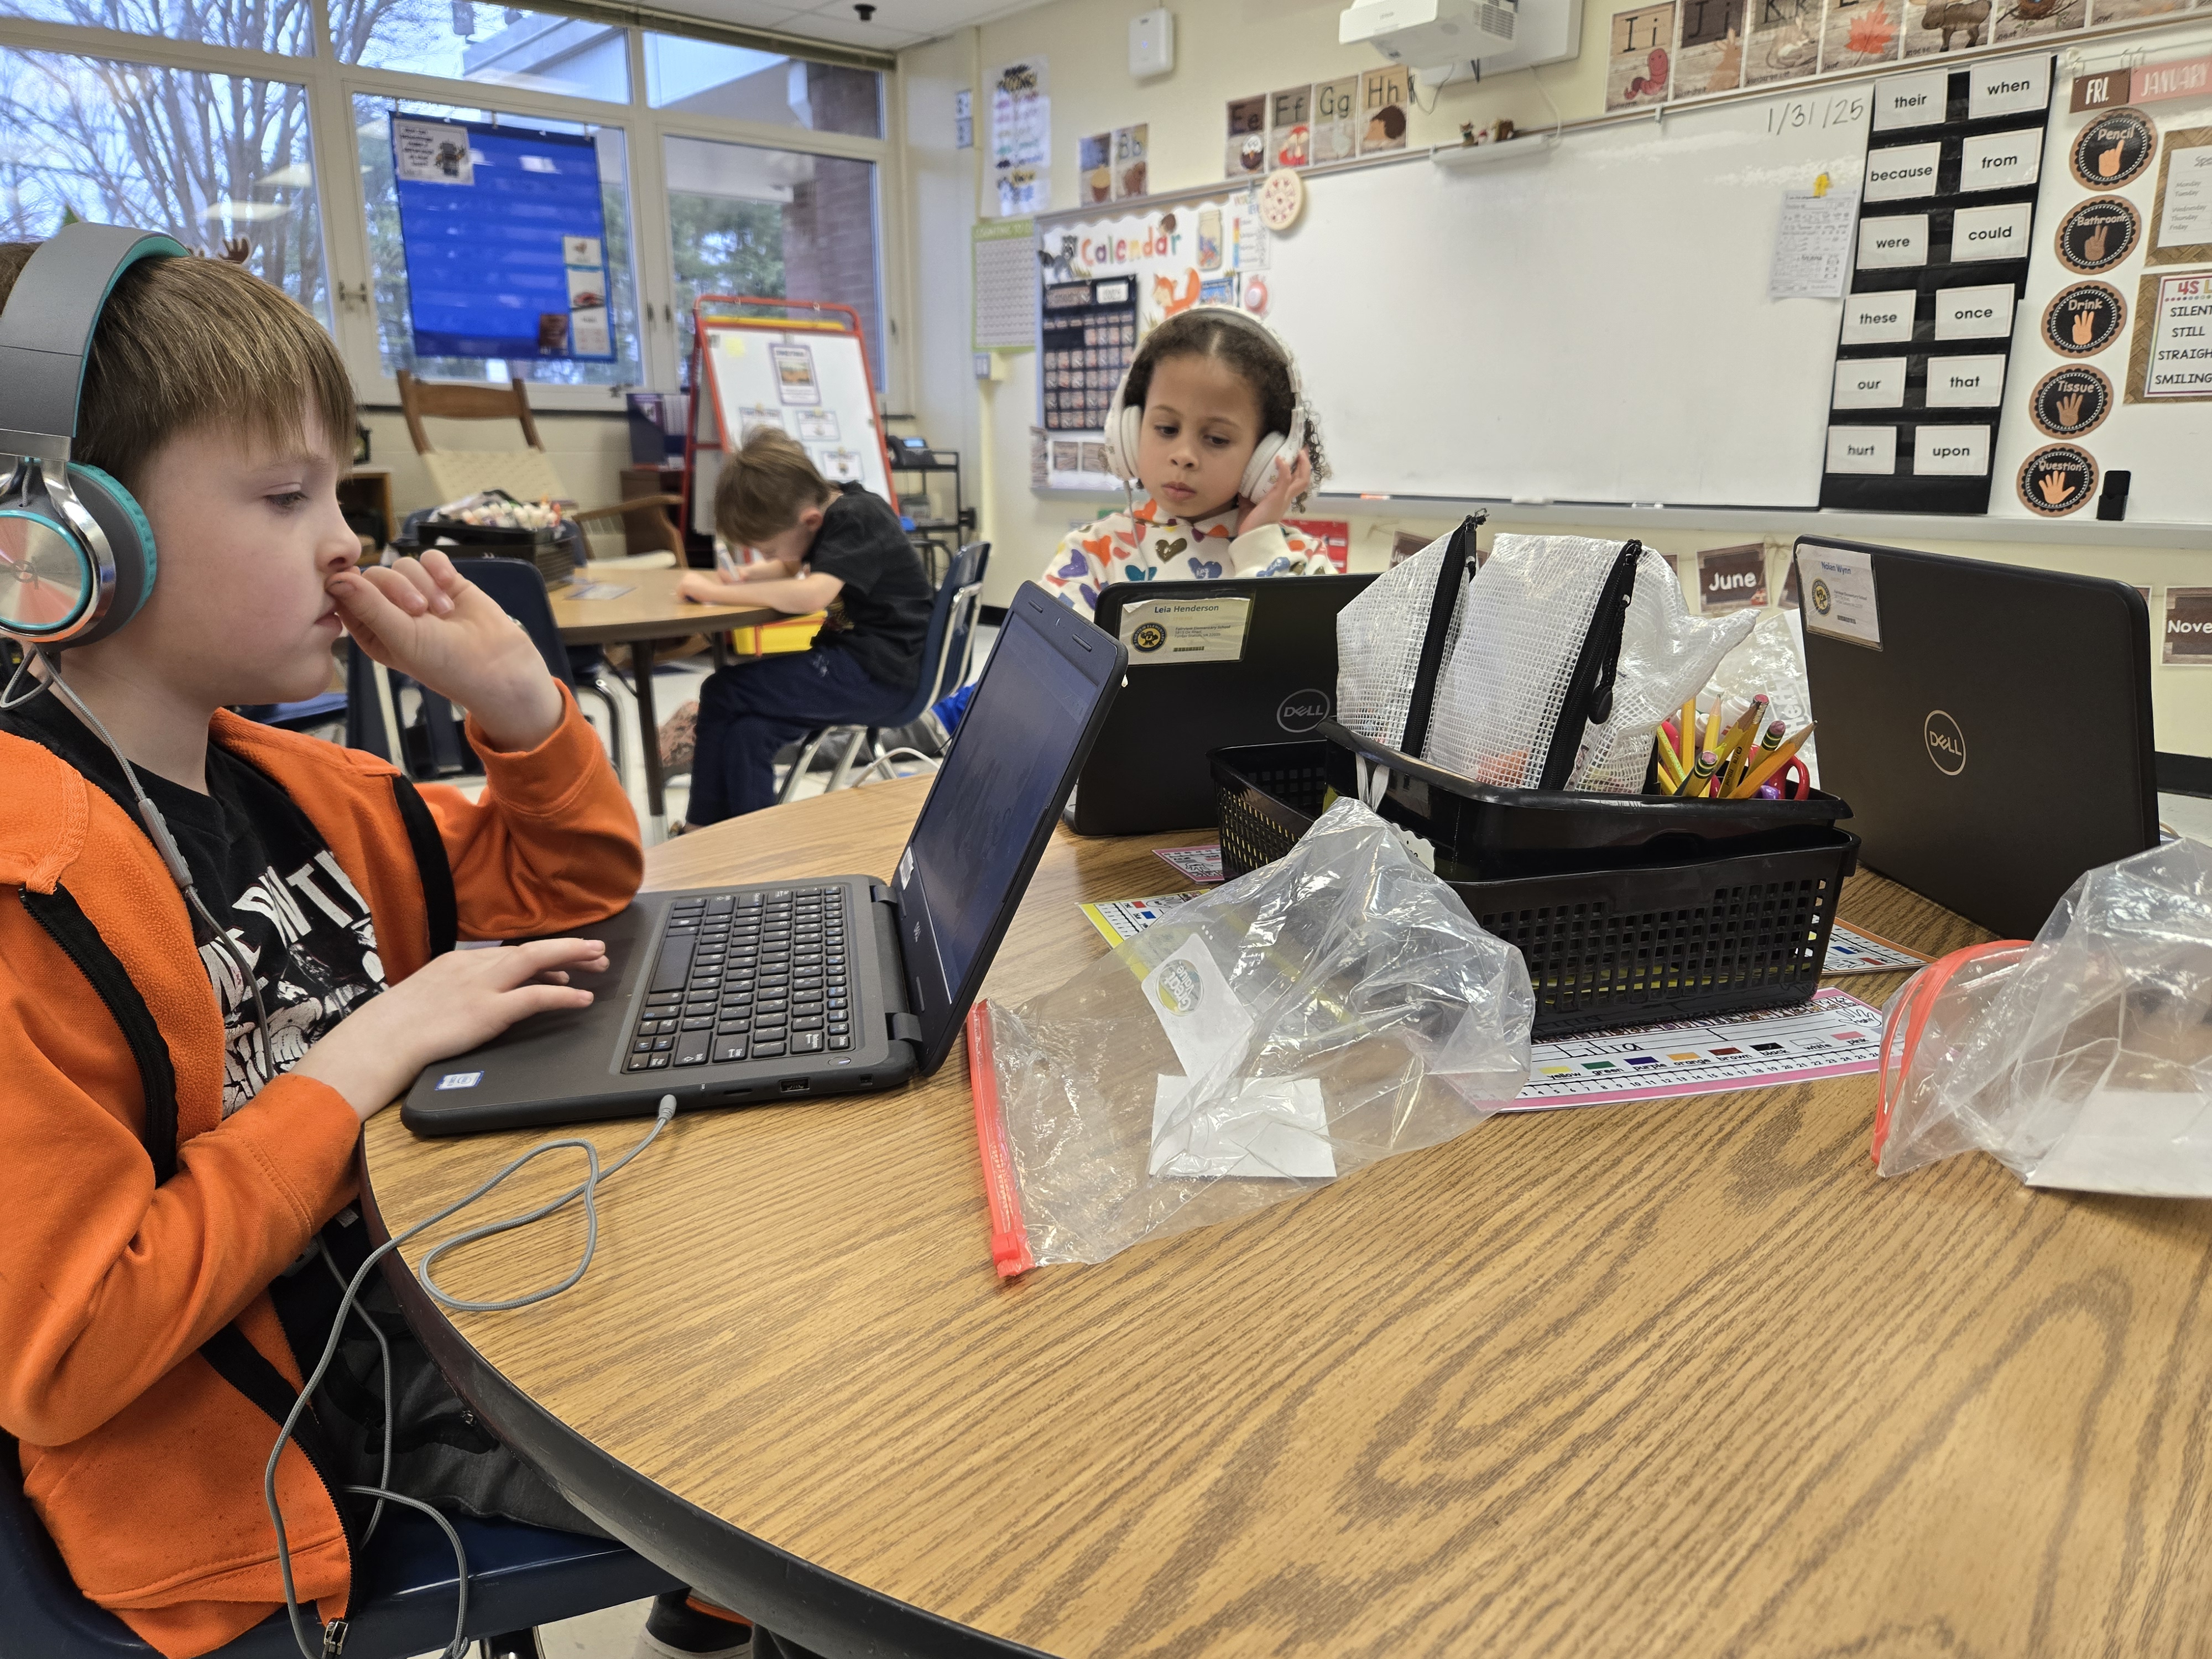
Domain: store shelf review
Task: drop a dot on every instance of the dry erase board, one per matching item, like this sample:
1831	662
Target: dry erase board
811	382
1589	324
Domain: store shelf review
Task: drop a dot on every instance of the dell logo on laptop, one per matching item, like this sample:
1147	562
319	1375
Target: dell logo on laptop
1302	711
1947	744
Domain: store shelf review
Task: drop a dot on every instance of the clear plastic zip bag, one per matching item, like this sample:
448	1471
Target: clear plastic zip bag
2082	1060
1301	1022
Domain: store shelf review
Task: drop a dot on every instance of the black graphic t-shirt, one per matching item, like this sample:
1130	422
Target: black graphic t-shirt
882	617
267	878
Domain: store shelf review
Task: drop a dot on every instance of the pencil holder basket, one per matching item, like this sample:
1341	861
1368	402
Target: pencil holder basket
1627	910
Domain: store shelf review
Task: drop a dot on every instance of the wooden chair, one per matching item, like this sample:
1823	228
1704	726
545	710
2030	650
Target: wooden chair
526	474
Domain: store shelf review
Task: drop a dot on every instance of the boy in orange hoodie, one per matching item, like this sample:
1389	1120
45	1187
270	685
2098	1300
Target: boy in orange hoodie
164	1164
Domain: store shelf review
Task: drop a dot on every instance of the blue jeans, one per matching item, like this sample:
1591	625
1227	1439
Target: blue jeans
748	712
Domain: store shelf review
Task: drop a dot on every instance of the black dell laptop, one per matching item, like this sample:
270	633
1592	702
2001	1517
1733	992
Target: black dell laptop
1990	724
825	986
1212	665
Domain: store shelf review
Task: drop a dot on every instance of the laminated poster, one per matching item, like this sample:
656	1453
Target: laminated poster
1131	178
818	426
751	420
431	153
838	465
1384	95
1248	138
1946	25
1336	120
1710	56
1862	34
1639	55
2033	20
2181	211
1784	43
796	383
1021	137
1290	128
1095	169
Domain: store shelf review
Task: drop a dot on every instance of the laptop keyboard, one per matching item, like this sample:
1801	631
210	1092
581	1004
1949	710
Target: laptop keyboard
751	975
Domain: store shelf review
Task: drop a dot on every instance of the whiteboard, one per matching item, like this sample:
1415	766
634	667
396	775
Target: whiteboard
811	382
1590	325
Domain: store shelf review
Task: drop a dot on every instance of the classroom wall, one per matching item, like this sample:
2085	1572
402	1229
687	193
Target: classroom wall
1228	49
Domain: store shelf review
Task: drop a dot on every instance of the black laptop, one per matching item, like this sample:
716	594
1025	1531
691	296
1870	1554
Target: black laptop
1991	726
1212	665
824	986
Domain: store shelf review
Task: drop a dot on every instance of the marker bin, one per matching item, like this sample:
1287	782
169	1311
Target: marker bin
1628	909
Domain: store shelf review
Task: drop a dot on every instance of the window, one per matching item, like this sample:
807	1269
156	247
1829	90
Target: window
252	24
773	223
387	257
206	158
700	77
493	46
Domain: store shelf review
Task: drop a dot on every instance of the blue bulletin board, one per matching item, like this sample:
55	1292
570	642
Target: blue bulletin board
506	240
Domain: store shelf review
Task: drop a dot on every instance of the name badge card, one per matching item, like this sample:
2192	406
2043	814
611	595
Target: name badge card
1839	596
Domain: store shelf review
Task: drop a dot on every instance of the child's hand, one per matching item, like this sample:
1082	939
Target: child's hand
1291	482
701	588
447	1007
425	619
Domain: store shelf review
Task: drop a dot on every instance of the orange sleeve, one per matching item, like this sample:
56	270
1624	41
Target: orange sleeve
552	845
108	1281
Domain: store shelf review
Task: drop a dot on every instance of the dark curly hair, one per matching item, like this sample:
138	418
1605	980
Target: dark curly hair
1205	333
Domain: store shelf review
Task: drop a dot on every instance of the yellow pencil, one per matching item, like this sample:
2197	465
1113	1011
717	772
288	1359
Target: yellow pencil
1685	736
1746	726
1740	738
1713	728
1670	775
1769	741
1700	775
1773	762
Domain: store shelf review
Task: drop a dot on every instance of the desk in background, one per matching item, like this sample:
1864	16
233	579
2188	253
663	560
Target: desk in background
1673	1377
651	613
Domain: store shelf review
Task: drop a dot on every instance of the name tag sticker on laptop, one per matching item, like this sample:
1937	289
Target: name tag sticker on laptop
460	1080
1838	589
1185	629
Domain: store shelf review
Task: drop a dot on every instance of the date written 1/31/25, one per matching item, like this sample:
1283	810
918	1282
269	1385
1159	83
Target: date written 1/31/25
1815	114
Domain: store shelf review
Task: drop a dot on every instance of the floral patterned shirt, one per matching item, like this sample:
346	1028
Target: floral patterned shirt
1150	544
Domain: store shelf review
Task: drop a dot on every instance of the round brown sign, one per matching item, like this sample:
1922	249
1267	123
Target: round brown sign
2114	149
2071	401
2057	479
2098	234
2083	320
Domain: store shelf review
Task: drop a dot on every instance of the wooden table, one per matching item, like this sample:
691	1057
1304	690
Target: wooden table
1680	1377
651	612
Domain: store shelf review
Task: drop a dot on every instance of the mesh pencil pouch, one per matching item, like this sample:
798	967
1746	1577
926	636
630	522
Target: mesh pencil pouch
1570	653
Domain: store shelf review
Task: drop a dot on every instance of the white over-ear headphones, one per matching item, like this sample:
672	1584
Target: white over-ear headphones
1124	425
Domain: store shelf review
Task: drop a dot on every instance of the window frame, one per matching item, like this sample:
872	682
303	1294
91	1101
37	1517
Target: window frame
333	143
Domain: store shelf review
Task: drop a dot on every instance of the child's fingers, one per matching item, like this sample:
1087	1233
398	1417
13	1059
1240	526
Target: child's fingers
541	957
443	574
391	581
371	617
425	584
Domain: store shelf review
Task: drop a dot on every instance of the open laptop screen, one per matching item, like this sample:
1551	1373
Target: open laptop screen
1041	701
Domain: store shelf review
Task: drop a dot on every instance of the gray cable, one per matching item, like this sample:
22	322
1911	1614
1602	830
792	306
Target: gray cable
383	1353
588	1190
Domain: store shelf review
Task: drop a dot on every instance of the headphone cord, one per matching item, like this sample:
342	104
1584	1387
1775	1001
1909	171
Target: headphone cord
157	830
587	1189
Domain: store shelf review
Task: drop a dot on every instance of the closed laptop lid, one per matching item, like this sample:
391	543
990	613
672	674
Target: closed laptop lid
1990	724
1034	716
1212	664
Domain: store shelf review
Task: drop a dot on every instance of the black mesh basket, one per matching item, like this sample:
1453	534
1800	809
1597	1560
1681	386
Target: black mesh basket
1728	931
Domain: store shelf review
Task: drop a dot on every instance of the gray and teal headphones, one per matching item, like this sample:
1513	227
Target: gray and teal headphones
76	555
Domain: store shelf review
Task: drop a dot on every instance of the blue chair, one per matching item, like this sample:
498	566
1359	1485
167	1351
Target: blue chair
517	588
404	1590
947	651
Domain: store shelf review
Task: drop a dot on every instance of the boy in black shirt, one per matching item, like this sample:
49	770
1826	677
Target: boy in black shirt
838	549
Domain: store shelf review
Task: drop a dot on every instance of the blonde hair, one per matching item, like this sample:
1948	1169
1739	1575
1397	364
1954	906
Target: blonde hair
764	487
184	343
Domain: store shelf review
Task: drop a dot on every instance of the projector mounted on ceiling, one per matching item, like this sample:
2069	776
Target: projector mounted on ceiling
1443	40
